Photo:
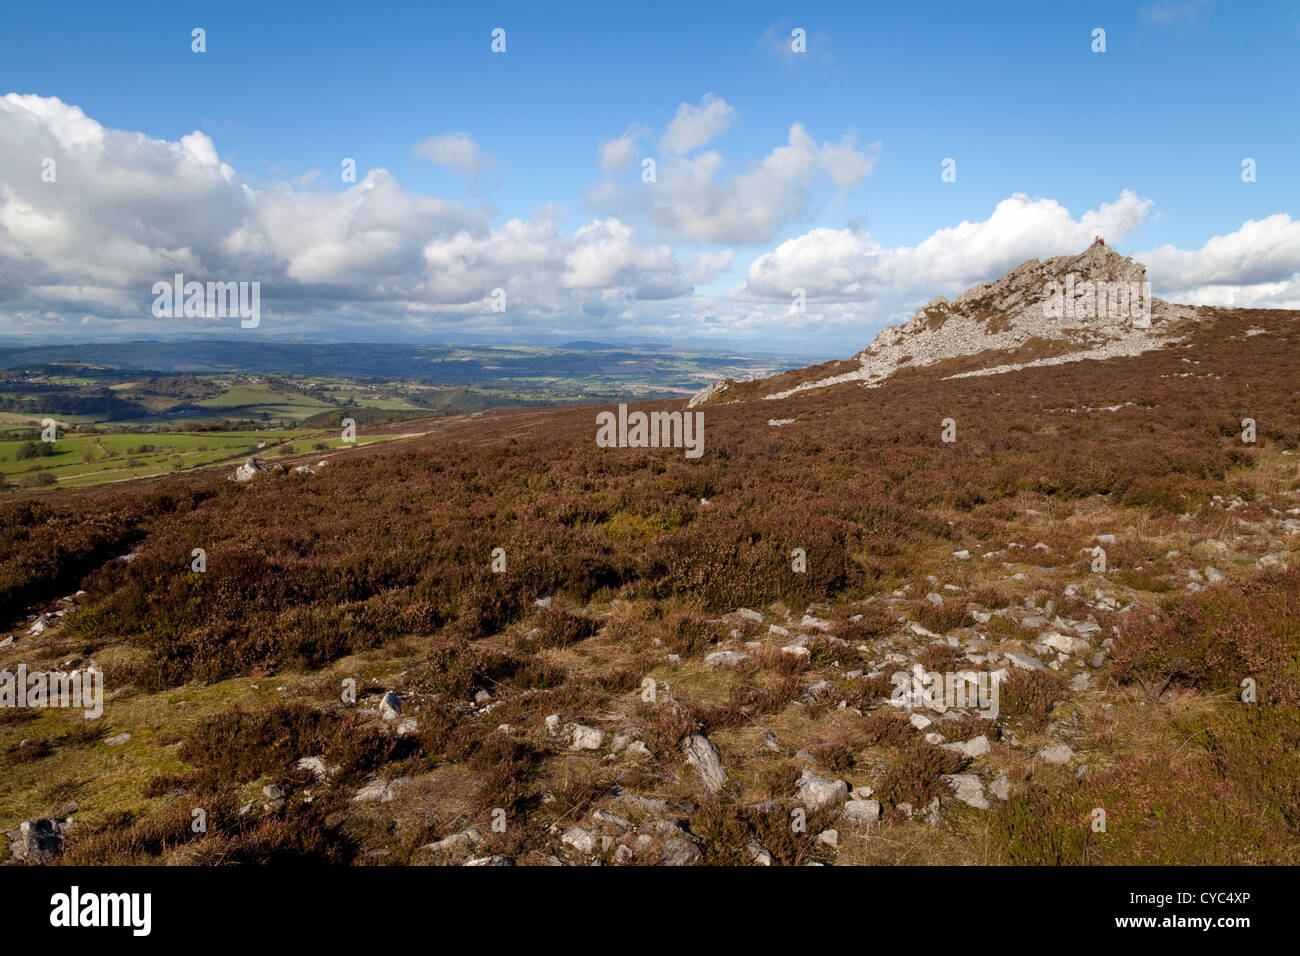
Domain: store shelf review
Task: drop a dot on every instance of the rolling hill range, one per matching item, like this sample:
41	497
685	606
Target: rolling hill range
567	653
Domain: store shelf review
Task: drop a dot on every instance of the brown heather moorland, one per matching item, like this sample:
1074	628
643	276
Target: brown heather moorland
1124	691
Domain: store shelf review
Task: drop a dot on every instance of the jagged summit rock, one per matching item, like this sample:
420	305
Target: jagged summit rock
1095	304
1027	292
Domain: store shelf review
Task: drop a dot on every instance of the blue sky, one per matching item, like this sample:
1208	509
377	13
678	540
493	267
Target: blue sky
1013	92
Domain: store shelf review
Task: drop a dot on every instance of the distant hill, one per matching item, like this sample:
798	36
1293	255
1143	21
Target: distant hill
576	369
584	346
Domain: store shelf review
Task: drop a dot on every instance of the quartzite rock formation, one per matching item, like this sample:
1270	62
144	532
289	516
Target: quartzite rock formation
1096	304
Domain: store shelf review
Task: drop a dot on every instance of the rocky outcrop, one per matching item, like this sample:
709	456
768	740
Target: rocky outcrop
37	841
253	467
702	754
1096	304
710	392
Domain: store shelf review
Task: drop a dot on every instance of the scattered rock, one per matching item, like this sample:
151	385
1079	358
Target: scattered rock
463	840
968	788
1063	642
648	804
725	658
582	840
378	790
1058	754
585	738
817	793
932	815
390	706
36	841
975	747
862	812
704	757
680	852
1025	662
253	467
613	819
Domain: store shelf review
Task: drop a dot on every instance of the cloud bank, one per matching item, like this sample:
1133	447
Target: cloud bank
91	217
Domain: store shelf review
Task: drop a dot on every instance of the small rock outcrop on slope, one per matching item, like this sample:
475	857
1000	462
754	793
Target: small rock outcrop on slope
1096	304
254	467
710	391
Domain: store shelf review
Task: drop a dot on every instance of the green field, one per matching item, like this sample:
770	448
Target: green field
92	454
80	459
117	422
171	427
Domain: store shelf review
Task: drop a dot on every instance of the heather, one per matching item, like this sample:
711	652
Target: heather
623	566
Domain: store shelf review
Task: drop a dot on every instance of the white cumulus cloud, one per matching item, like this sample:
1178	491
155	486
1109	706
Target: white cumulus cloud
124	211
454	151
693	126
1258	265
693	202
91	217
844	265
